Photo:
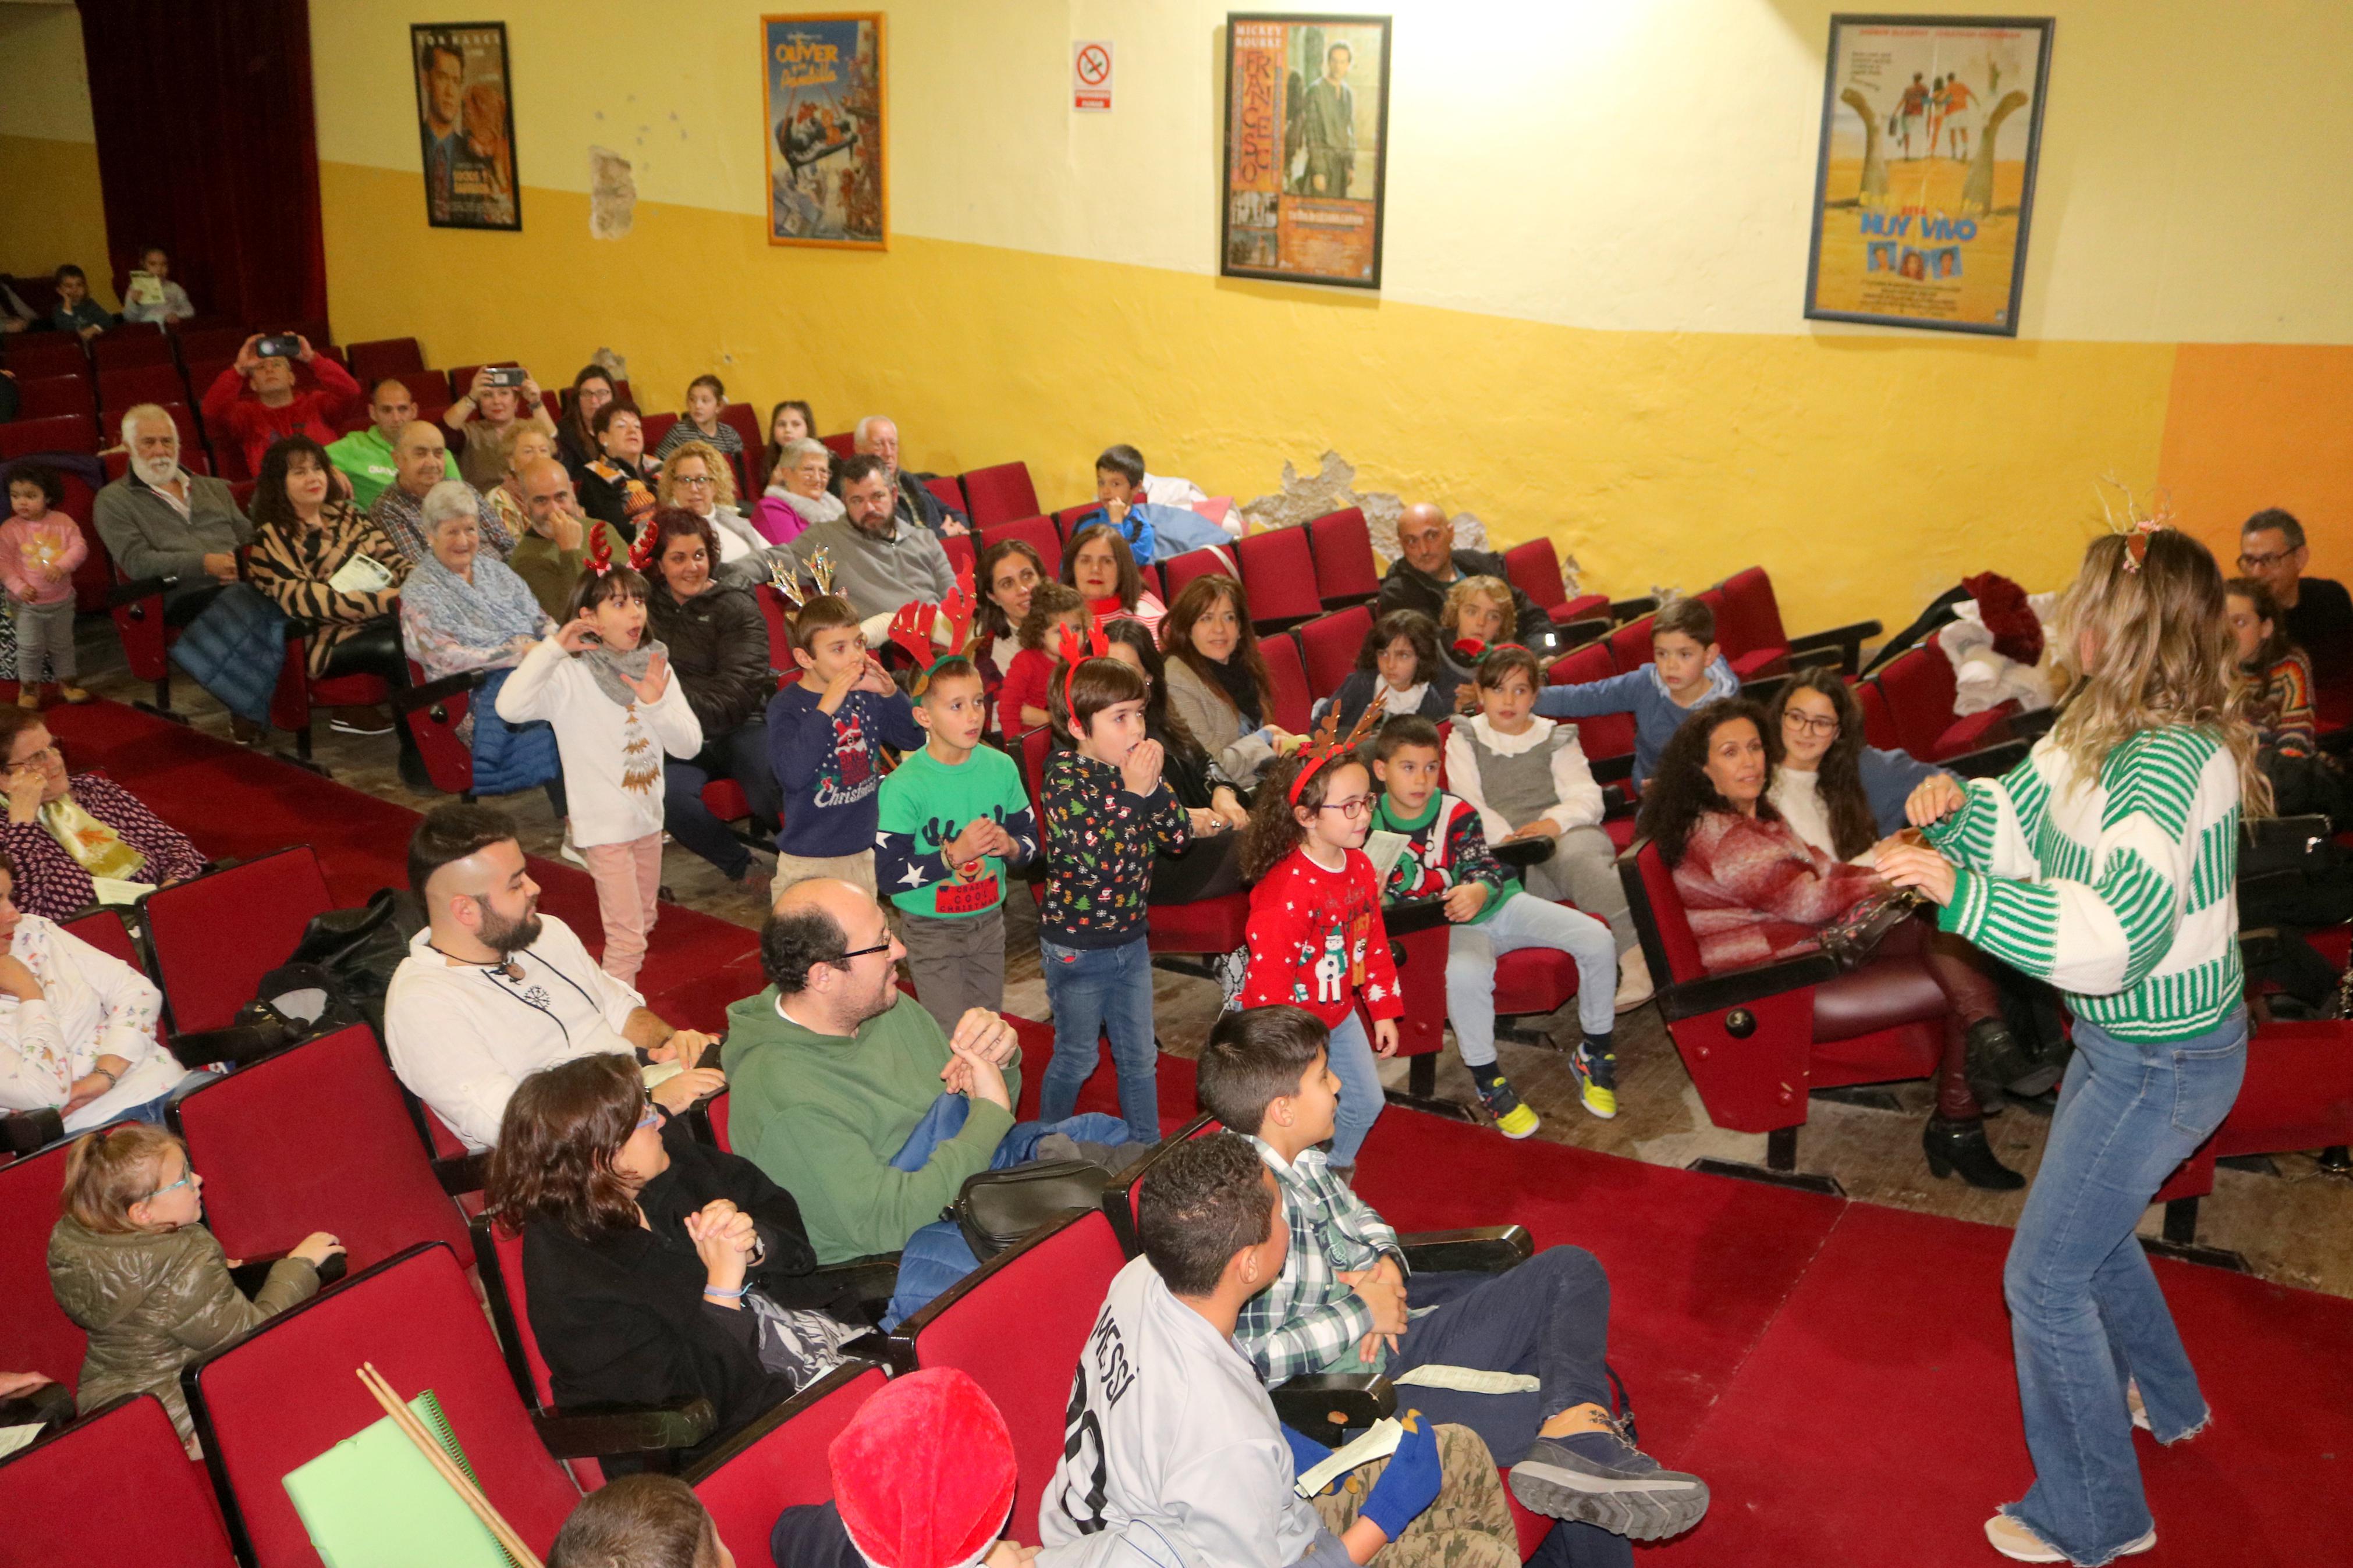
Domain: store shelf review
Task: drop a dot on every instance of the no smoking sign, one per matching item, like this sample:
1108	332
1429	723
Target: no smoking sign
1091	75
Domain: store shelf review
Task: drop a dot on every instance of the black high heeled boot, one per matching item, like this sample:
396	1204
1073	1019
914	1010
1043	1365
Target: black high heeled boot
1961	1146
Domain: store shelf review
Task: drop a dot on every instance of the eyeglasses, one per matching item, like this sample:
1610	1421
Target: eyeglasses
42	758
2262	563
185	1177
647	1116
1816	723
883	946
1351	809
705	480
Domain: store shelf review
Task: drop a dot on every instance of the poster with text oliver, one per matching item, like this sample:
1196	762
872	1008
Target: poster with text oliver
1931	127
823	77
465	118
1307	120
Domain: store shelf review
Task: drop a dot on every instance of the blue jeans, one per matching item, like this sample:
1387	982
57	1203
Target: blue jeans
1351	1056
1093	992
937	1255
2085	1311
1526	921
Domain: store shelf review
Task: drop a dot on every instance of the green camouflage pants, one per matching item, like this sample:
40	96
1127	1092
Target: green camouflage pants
1470	1525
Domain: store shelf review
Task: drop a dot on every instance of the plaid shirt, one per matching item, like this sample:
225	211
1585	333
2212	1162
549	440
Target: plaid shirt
1307	1319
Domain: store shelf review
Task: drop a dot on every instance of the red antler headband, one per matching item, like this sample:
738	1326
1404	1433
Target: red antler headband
1075	652
917	626
600	550
1327	745
644	549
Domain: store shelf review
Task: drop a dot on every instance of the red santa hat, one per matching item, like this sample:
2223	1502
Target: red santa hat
923	1475
2001	605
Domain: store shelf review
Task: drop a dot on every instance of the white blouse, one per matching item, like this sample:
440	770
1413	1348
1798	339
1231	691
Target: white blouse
93	1006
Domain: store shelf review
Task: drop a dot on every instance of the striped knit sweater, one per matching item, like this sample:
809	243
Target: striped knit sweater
2120	894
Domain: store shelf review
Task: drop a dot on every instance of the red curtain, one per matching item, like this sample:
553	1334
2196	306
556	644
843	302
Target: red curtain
207	146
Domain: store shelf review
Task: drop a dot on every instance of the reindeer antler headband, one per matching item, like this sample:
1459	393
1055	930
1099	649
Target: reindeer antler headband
1326	745
1075	652
2136	525
917	626
641	556
788	582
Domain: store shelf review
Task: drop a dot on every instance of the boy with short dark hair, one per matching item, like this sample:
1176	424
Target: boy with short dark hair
1687	670
1174	1452
1152	531
953	819
1447	858
77	311
826	735
1339	1303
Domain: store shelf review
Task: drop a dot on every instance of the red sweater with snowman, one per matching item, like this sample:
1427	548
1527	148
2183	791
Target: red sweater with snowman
1317	940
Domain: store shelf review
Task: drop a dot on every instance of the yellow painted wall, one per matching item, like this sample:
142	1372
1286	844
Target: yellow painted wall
1590	325
50	211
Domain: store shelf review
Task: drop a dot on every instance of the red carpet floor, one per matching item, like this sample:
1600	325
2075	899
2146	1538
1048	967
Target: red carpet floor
1840	1372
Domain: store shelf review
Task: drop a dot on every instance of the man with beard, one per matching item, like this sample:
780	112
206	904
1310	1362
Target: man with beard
492	990
160	520
880	560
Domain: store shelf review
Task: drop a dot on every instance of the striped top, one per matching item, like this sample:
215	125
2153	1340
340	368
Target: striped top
2122	895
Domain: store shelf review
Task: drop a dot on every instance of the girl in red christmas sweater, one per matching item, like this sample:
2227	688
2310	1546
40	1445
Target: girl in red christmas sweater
1315	935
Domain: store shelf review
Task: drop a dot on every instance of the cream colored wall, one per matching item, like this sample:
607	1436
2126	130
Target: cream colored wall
51	209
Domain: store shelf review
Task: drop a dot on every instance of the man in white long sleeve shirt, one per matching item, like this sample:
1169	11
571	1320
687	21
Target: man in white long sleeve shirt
1174	1456
492	990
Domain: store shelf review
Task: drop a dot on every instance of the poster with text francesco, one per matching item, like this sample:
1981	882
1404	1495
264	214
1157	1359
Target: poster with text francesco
824	79
1931	128
1307	113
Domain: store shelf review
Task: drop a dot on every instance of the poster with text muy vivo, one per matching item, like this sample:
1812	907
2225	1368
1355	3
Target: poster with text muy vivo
1306	134
1925	181
823	77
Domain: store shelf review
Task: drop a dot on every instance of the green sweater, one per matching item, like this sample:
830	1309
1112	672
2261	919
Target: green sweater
822	1115
2120	890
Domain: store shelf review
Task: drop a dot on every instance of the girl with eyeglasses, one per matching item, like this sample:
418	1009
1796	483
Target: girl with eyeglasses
132	1264
1315	935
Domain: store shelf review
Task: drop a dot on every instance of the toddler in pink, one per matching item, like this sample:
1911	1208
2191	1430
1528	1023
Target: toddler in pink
39	548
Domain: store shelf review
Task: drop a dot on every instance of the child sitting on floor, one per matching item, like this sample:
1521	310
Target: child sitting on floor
608	693
132	1264
1315	935
1686	671
1021	701
953	818
1448	858
1527	777
826	735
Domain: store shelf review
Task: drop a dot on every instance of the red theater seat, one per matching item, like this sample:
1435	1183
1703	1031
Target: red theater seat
155	383
114	1486
1001	494
132	345
1277	567
214	937
59	433
380	357
36	355
1038	533
36	1335
1293	704
948	491
1346	570
1328	646
1918	689
780	1461
53	395
1179	571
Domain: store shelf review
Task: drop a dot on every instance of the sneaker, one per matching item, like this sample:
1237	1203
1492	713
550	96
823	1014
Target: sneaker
1634	986
73	693
1597	1081
362	726
29	696
1513	1118
1604	1480
1229	968
2014	1540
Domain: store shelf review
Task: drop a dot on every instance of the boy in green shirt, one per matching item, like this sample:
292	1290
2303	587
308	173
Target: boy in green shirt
953	818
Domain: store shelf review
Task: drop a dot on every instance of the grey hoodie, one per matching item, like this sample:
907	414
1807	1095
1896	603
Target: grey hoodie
152	1303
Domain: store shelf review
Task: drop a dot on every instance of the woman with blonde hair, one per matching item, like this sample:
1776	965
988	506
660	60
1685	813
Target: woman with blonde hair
2104	863
697	478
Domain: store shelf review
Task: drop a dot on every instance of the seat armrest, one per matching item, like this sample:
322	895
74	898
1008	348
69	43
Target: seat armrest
588	1431
139	588
1328	1406
1482	1249
1569	635
43	1404
1519	853
1714	992
1624	610
2032	726
1410	915
1987	761
408	699
1848	640
462	1172
1612	770
2258	947
22	1131
868	1281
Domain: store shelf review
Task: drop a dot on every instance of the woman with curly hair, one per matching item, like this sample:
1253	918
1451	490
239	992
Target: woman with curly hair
1757	893
2107	863
655	1268
698	479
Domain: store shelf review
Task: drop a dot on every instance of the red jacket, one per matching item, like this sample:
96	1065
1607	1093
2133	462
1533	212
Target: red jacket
1757	892
1317	940
255	424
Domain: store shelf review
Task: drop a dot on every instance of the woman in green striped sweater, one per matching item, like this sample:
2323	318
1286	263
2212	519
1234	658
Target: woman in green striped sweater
2104	864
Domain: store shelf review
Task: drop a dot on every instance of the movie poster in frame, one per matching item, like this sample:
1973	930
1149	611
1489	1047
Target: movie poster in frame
465	120
823	77
1932	127
1306	137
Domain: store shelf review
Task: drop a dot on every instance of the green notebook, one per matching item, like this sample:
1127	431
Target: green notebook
374	1501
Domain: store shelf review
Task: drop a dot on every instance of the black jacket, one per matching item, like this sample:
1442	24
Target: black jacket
1355	694
1404	587
621	1319
718	644
919	506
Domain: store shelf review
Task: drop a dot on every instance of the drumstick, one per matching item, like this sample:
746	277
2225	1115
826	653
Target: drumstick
470	1495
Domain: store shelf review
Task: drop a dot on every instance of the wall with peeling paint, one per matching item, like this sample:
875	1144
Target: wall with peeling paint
1590	322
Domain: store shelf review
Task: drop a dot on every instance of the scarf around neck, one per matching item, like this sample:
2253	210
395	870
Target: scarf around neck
96	847
608	667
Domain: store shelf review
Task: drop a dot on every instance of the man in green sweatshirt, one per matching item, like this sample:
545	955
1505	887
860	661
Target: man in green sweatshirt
365	456
847	1094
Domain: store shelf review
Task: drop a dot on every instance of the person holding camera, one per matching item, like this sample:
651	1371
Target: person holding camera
502	402
256	401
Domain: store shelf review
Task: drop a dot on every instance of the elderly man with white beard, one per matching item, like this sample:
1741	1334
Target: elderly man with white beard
160	520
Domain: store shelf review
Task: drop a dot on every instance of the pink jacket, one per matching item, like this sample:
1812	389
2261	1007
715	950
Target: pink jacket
58	537
1757	892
